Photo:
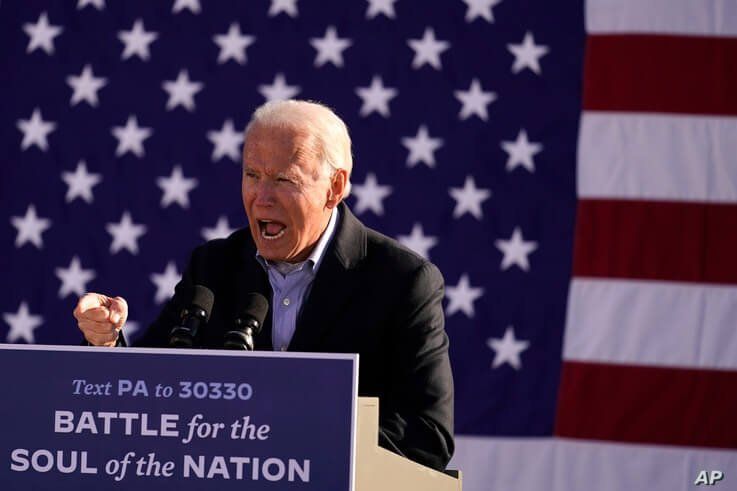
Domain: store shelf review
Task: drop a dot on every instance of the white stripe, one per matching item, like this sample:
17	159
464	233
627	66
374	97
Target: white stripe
657	157
695	17
651	323
506	464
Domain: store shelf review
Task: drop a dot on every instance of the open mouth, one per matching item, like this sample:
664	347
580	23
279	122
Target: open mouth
271	229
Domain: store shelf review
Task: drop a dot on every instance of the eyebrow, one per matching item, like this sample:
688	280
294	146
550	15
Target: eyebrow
293	176
289	175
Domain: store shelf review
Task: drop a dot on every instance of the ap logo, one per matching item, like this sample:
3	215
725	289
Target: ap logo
709	478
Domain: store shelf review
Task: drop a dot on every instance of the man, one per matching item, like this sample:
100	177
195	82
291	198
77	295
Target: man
334	285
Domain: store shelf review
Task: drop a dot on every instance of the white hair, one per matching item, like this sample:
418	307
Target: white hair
330	132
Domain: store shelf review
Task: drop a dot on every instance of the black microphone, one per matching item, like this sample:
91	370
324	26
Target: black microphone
248	322
192	317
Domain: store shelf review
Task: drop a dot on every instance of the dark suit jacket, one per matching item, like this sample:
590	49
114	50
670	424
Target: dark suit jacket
370	296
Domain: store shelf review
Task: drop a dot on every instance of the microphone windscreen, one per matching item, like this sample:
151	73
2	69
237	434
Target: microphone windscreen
203	298
255	306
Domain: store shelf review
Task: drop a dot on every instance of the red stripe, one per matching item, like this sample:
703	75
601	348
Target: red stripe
673	241
675	74
648	405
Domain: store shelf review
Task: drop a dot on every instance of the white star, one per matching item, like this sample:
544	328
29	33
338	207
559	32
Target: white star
165	282
474	101
461	297
176	188
289	7
85	86
22	324
515	250
98	4
279	90
233	44
130	137
469	199
35	130
377	7
376	97
428	50
136	41
507	349
80	183
521	152
418	241
330	48
181	91
527	54
370	195
192	5
74	279
422	148
30	227
480	8
42	34
227	142
125	234
221	229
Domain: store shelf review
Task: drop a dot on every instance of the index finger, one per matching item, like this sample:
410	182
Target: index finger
97	314
88	302
92	300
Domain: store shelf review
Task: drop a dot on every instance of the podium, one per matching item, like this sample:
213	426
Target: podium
88	418
378	469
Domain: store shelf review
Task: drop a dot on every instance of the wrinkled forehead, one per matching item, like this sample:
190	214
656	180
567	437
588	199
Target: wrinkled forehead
292	143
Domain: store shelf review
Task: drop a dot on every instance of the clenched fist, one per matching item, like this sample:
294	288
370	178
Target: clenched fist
100	318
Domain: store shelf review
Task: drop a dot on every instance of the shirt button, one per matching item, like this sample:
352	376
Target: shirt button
283	348
285	302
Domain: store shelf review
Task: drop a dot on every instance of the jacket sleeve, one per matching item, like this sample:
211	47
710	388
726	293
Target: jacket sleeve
416	417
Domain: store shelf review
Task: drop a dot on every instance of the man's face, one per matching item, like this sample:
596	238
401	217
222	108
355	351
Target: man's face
286	192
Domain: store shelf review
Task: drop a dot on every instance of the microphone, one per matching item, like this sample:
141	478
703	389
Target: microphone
192	317
248	323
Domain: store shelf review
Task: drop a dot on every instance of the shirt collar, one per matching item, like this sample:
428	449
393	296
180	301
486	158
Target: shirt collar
318	253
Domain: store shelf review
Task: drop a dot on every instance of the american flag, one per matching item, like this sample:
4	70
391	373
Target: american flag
596	358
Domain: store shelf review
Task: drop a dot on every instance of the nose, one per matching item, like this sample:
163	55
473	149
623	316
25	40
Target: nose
263	192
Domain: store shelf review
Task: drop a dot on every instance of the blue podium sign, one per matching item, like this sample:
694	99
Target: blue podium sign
83	418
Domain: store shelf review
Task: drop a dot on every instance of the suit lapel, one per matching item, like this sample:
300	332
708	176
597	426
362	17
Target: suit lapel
334	283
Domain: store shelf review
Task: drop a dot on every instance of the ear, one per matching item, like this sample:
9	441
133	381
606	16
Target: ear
338	185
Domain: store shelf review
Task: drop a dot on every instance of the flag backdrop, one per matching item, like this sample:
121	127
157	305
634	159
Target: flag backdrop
476	144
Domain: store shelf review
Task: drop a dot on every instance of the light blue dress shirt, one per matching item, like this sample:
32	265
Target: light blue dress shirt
290	285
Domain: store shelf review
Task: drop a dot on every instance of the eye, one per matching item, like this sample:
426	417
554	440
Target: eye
250	174
283	179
